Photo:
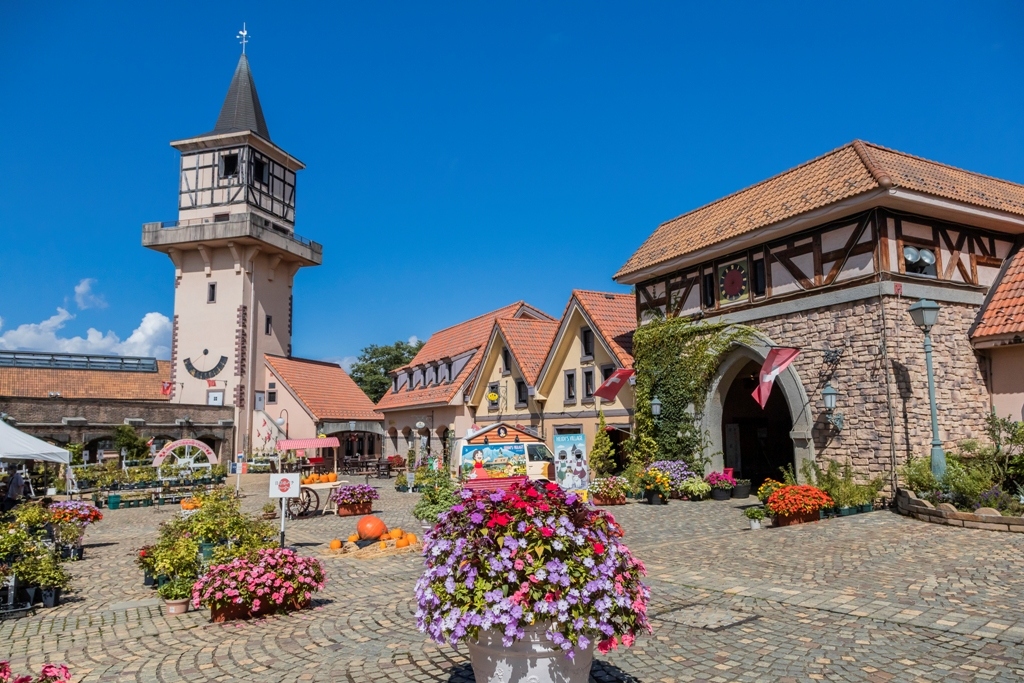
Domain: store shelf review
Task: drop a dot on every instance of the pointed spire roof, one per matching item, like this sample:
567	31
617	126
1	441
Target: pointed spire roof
242	110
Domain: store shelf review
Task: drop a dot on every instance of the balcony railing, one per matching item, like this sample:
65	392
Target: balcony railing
258	225
73	361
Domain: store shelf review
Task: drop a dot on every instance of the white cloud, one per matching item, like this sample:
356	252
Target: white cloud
414	340
344	361
151	338
84	296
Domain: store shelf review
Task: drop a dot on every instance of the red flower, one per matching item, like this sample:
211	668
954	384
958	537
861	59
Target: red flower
551	486
599	547
546	532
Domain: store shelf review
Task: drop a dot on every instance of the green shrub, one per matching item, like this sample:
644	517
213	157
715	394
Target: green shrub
966	482
917	476
756	512
695	488
438	495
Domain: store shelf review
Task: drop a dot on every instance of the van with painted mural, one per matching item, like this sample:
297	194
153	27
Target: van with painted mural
500	451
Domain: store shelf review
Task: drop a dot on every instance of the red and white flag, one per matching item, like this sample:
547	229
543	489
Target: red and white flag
778	360
611	386
165	388
211	382
150	442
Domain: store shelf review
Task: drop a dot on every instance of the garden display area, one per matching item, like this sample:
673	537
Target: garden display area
864	597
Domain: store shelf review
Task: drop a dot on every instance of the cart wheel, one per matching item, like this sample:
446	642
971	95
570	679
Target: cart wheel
301	505
311	498
296	507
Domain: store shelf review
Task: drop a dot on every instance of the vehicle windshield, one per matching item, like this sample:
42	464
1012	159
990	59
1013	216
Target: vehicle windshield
538	452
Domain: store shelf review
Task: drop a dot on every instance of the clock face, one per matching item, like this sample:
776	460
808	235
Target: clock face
733	284
203	367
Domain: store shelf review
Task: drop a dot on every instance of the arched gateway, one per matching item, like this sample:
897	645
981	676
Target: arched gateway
755	441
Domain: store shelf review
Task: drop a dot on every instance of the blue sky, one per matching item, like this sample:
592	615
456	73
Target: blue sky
459	156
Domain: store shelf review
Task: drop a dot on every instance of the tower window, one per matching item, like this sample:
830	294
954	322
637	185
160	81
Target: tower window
260	172
228	165
268	327
708	290
211	293
760	284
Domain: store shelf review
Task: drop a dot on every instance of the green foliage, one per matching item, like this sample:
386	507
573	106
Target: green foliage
42	568
77	451
966	481
370	371
788	475
218	471
32	515
602	455
839	483
916	475
178	588
756	512
176	556
128	440
695	488
438	495
675	361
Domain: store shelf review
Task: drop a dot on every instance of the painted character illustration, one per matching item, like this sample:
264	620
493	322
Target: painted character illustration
478	466
579	470
562	467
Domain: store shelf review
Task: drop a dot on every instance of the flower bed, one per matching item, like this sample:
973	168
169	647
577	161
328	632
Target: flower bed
275	580
75	511
609	491
797	504
990	519
677	471
532	554
353	495
50	673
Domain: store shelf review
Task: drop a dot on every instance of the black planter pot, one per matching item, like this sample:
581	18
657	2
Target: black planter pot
721	494
741	491
51	597
655	498
148	579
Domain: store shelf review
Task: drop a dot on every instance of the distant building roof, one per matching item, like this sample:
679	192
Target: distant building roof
325	389
1003	312
241	110
614	315
450	342
845	172
41	382
529	341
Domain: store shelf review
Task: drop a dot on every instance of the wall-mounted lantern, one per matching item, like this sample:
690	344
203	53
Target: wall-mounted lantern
655	407
830	395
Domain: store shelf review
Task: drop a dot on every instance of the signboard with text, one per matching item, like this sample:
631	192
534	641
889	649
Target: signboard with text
284	485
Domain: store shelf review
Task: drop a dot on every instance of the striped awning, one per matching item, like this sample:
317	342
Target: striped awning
303	444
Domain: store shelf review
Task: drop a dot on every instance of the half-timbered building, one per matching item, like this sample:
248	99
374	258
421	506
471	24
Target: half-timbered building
827	257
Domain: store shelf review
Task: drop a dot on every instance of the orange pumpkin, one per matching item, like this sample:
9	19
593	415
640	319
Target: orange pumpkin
397	533
371	528
335	544
402	543
411	538
385	537
353	538
332	477
383	545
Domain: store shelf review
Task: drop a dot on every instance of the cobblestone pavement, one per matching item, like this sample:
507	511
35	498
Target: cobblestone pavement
873	597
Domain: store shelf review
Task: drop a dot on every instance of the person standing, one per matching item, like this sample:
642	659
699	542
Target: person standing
15	490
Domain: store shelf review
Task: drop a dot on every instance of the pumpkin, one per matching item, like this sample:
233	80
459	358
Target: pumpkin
411	538
397	533
402	543
353	538
332	477
385	537
370	528
336	544
383	545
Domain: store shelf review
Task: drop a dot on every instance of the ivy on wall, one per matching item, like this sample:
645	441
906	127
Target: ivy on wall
675	360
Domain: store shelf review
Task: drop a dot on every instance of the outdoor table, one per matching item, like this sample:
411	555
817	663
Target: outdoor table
329	487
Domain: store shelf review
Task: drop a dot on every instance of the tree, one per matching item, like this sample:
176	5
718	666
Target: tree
602	455
370	371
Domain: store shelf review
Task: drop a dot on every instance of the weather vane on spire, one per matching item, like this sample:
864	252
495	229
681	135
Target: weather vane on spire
243	37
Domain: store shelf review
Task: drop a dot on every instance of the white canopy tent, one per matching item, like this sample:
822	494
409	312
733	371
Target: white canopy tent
17	445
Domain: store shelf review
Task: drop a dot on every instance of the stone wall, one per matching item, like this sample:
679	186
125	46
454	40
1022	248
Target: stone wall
983	518
880	345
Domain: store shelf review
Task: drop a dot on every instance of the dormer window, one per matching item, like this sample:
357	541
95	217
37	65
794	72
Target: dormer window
587	343
449	373
506	361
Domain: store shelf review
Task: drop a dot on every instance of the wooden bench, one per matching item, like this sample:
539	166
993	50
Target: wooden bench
496	484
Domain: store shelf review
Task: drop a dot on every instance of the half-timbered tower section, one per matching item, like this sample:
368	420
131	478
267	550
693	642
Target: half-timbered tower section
235	255
828	257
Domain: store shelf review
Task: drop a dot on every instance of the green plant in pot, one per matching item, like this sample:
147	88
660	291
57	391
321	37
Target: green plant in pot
742	488
42	568
695	488
176	557
755	515
176	594
438	494
269	511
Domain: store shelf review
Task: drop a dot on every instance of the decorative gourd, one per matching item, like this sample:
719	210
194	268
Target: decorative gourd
402	543
371	528
383	545
353	538
385	537
411	538
335	544
397	533
332	477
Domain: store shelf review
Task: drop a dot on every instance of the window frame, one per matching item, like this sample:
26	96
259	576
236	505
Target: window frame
493	405
522	393
584	333
268	325
569	387
606	371
211	292
588	377
271	396
506	361
223	163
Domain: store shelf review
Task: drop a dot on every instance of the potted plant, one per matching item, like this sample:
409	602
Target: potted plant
755	515
609	491
354	500
176	594
439	494
694	488
42	568
656	486
678	472
742	488
67	536
75	511
531	579
721	485
50	673
797	504
269	511
145	560
766	489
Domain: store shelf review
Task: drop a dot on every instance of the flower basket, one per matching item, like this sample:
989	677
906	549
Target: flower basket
797	504
609	491
353	509
798	518
604	502
360	494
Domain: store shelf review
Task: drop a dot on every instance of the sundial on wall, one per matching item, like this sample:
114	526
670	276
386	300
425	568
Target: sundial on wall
204	367
733	283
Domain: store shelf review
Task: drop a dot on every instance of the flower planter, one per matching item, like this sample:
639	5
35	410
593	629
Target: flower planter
866	507
655	498
114	501
51	597
147	502
741	491
148	579
721	494
846	512
229	612
598	500
206	550
802	518
534	658
176	606
755	524
353	509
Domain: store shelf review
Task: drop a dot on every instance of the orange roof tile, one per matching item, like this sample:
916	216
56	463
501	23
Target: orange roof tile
325	388
1003	313
614	315
111	384
529	341
448	343
833	177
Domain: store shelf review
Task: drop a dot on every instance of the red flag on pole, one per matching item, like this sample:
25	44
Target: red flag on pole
211	382
165	388
778	360
611	386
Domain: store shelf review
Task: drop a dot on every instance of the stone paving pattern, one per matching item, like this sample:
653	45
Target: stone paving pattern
874	597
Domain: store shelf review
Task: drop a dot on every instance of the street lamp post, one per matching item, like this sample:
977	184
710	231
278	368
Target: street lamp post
924	314
282	420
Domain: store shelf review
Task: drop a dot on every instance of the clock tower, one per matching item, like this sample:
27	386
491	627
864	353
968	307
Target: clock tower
235	254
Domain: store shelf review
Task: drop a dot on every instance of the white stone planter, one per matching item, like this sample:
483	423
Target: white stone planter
755	524
534	659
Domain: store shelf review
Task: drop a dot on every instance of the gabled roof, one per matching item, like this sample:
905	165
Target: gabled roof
614	316
241	110
1003	312
843	173
529	342
108	384
324	388
450	342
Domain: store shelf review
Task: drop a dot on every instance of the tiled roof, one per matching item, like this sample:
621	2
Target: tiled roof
448	343
838	175
1003	313
529	341
39	382
325	388
614	315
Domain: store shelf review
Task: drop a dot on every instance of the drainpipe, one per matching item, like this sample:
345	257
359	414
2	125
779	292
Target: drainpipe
252	350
